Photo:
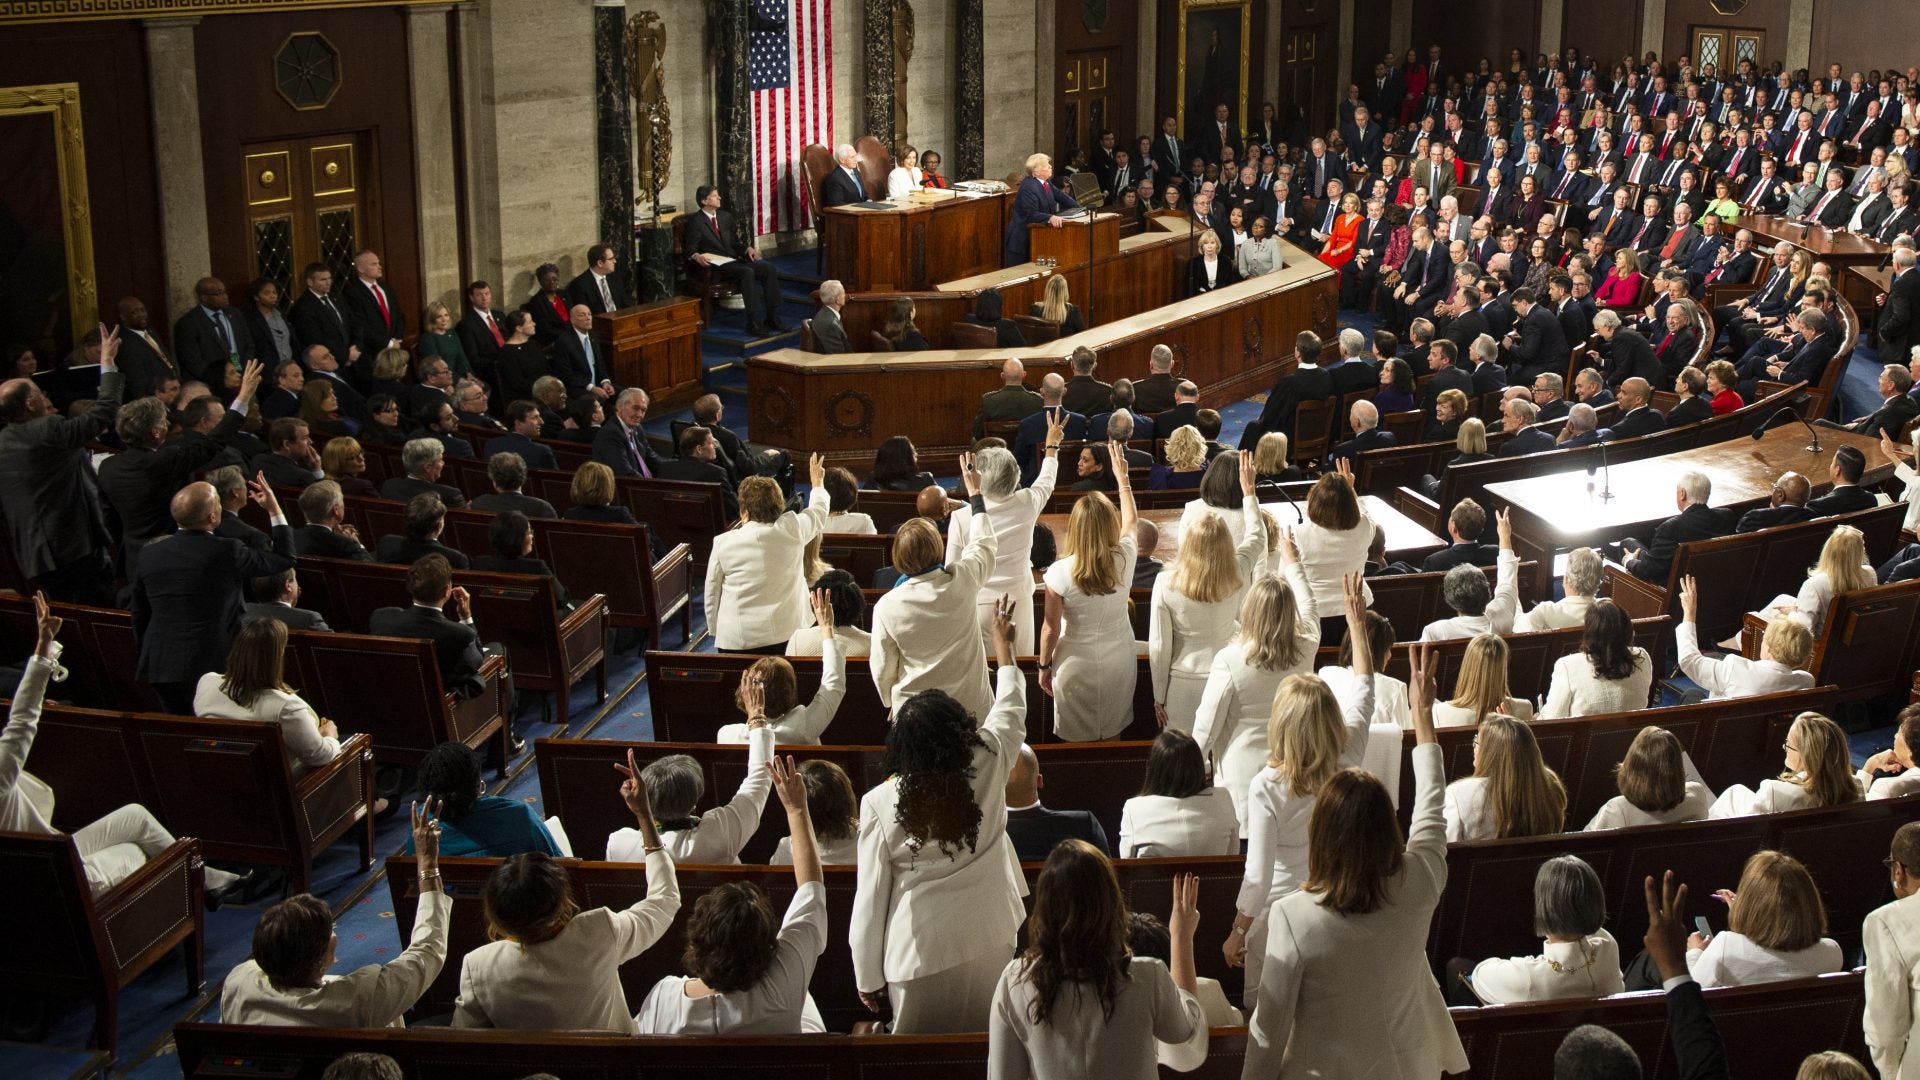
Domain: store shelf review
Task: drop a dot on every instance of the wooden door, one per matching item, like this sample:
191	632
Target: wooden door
307	201
1306	72
1087	101
1725	46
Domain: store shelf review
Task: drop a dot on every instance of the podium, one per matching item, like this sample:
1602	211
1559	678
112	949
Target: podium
655	347
915	244
1070	246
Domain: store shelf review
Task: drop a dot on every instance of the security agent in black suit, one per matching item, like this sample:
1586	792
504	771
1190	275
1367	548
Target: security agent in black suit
290	460
710	235
1169	153
524	417
318	318
697	463
424	459
187	591
423	521
478	327
1786	506
277	596
601	287
375	314
143	360
1696	521
1036	830
1846	495
442	613
138	483
211	335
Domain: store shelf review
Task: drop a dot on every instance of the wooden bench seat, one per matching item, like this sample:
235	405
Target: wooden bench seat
1868	642
389	689
101	653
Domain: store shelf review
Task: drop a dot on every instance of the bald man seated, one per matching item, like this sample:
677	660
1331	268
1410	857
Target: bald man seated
1033	428
1036	830
1364	417
1786	506
1013	401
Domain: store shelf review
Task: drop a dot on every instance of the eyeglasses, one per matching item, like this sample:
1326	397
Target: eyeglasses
1791	749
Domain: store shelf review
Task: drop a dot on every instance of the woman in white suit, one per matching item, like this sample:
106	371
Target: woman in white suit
1580	582
1195	601
1335	539
756	578
1819	772
924	633
1609	674
904	179
1279	634
769	690
1481	688
1346	989
937	906
1219	497
254	688
1843	568
677	785
1178	810
1654	789
1089	662
1011	512
1512	792
1389	694
1784	651
1311	738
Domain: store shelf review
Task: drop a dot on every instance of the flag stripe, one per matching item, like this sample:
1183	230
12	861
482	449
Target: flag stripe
791	73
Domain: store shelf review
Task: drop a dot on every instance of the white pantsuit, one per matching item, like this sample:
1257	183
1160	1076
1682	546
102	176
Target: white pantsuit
756	585
1891	936
1183	634
1012	520
377	995
299	727
1734	676
723	830
1576	689
1158	826
925	636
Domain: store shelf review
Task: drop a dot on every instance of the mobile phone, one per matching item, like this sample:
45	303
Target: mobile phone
1700	925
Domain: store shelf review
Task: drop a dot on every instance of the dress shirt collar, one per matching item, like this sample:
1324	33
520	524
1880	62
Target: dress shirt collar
1034	805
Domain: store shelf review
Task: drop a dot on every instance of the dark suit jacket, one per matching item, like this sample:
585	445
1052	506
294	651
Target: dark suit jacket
1674	354
1035	832
455	645
1463	328
1689	411
454	445
1032	434
139	482
1895	326
1283	401
1371	439
499	502
187	601
1453	378
1811	358
232	527
1526	441
200	350
47	488
371	331
572	365
1036	201
1154	394
535	455
1224	275
1632	355
296	618
1842	500
1696	522
610	448
839	189
1644	420
477	341
403	488
142	366
1768	516
280	470
406	551
1488	378
1185	414
703	472
1087	395
582	290
1889	418
1468	554
1696	1042
324	542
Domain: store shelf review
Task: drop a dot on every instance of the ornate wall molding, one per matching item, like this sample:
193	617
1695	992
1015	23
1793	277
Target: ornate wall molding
53	11
969	91
876	51
62	101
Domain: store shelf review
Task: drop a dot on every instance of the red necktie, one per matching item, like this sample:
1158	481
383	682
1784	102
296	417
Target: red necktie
1715	276
379	297
1862	133
495	327
1664	342
1644	226
1639	168
1821	205
714	222
1797	145
1561	187
1733	169
1666	145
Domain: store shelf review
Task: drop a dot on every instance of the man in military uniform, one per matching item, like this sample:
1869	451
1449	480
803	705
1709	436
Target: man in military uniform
1154	394
1013	401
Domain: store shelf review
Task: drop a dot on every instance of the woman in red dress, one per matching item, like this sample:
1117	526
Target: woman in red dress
1414	74
930	175
1346	232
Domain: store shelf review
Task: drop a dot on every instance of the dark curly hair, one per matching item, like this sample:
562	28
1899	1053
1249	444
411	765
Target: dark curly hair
451	774
1608	640
1077	933
731	937
930	754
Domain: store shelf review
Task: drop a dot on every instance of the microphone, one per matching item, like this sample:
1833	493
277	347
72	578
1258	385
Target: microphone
1769	425
1299	517
1606	477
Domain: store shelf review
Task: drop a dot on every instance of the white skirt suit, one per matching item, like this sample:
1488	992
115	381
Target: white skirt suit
299	727
934	928
1231	723
1183	634
1153	826
1353	996
1095	661
926	635
756	585
1012	521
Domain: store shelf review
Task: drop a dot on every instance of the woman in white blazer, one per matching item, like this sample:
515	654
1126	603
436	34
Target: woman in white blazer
1346	989
1220	496
849	610
1310	738
1089	660
1609	674
1891	773
1842	568
1195	602
1334	540
756	577
550	966
904	179
1078	1003
1654	789
1784	651
1389	694
1464	589
769	690
843	502
1481	688
677	785
924	633
1279	634
1178	811
1819	772
1776	928
1011	512
835	812
254	688
1579	959
1511	793
937	906
1580	581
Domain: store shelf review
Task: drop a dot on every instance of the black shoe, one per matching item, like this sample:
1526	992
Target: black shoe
236	890
778	326
516	746
756	330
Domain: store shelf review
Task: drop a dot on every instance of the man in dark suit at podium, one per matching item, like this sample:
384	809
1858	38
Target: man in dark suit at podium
711	238
1038	203
843	185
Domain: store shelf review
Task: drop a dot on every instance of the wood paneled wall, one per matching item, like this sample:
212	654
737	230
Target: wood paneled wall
1890	38
1467	32
1606	31
1120	39
1772	16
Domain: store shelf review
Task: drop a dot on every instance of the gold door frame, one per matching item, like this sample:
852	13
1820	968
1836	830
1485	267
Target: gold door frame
1245	7
62	102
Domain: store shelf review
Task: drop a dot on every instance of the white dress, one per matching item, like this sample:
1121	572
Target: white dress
1576	690
1095	661
1011	522
1152	1018
1618	813
1157	826
1390	703
1733	959
1588	968
776	1005
1183	634
1774	796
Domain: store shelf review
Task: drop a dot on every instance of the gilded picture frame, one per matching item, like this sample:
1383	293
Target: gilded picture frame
61	102
1215	43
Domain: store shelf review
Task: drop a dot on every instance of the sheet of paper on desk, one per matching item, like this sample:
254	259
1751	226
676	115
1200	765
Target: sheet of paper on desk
719	260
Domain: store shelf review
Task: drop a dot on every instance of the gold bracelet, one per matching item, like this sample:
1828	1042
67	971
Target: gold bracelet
650	850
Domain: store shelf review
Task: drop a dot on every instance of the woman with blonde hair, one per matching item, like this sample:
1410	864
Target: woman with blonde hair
1087	655
390	372
1481	689
1511	793
438	339
1195	601
1784	651
1279	633
344	461
1843	568
1449	412
1271	464
1654	789
1819	772
1832	1065
1186	460
1309	738
1776	928
1055	308
1210	269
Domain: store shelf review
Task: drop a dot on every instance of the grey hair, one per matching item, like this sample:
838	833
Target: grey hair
1160	359
363	1065
138	419
831	290
1696	485
998	472
674	786
1526	410
1352	342
1556	385
229	480
1582	576
1813	319
1465	590
1581	418
1120	425
1606	319
1568	898
1486	349
1365	415
629	392
844	150
1591	1052
417	454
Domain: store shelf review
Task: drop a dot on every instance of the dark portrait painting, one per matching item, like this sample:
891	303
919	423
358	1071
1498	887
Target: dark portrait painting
1213	59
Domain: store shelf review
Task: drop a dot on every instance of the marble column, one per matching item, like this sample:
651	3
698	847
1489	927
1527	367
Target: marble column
1799	48
969	91
1146	119
733	115
436	190
1399	30
1552	15
1653	27
876	51
173	79
613	131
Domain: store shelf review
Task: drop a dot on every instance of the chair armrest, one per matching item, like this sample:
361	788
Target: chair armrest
1421	509
1639	599
351	749
331	797
181	861
1721	294
471	720
672	577
153	910
584	631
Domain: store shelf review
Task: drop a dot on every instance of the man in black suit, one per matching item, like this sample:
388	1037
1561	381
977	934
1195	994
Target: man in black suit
1637	414
1169	153
621	443
1469	324
1693	406
736	455
433	388
230	484
317	318
1902	216
1806	355
422	523
1696	521
1899	311
1631	356
507	471
277	596
283	399
48	494
290	460
1537	342
1846	495
697	462
443	614
1786	506
842	185
579	359
326	533
1036	830
600	286
323	366
211	335
524	419
710	239
439	424
1146	568
1307	382
1487	374
1185	411
1464	527
138	482
1364	418
1517	417
377	316
1896	407
186	591
1443	362
479	330
143	360
1361	273
423	460
1216	135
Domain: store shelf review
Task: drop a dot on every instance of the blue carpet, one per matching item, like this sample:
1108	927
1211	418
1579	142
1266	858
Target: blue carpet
1859	387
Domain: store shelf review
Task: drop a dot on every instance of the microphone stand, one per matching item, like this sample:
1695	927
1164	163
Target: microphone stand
1606	475
1300	518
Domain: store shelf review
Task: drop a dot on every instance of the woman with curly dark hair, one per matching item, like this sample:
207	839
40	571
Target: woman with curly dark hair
472	822
938	906
1077	1002
747	973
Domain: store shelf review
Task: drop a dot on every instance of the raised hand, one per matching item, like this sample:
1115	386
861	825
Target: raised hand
1185	917
249	380
1289	550
823	611
1117	461
753	699
109	346
816	469
426	836
1248	478
1003	634
46	626
633	789
788	784
1666	926
1422	687
262	494
1689	599
1504	522
1345	468
968	476
1056	426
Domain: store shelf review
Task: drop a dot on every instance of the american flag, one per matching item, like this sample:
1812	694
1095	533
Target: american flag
790	83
